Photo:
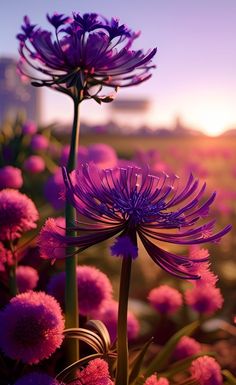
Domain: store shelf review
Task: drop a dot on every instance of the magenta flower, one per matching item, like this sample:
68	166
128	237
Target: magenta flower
18	214
10	177
102	155
94	289
86	53
165	299
186	347
29	128
27	278
34	164
95	373
124	202
37	378
153	380
204	299
39	142
50	247
206	371
108	314
31	327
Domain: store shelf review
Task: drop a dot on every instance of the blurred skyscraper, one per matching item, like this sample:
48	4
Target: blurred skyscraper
17	97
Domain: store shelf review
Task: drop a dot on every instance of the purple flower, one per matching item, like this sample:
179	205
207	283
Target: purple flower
27	278
31	327
36	378
10	177
17	214
34	164
206	371
86	53
29	128
128	201
94	289
39	142
165	299
186	347
53	190
108	314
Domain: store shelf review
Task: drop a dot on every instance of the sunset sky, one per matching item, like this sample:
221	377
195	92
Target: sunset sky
195	76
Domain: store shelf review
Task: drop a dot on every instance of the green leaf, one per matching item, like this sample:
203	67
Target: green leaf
231	380
160	361
138	362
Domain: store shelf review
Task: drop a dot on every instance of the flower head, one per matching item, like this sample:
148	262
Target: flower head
31	327
10	177
94	289
34	164
153	380
36	378
108	314
186	347
51	247
204	299
29	128
27	278
165	299
128	201
39	142
206	371
17	214
95	373
86	53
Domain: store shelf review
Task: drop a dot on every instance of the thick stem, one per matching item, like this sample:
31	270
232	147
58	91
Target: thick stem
122	339
71	295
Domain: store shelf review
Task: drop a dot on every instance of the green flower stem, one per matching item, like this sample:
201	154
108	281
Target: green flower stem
12	280
71	295
122	339
12	273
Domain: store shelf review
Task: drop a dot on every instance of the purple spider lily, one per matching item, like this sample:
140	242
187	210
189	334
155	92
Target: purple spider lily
87	53
126	202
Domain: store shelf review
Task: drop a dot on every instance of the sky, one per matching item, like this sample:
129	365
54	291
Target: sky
195	75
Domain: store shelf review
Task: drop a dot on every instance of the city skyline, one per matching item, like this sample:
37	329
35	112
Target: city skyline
195	75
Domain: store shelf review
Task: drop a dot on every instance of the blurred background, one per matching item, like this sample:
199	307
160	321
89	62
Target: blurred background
182	120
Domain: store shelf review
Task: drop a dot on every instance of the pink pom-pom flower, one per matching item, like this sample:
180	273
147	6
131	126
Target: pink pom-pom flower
206	371
165	299
18	214
34	164
31	327
10	177
27	278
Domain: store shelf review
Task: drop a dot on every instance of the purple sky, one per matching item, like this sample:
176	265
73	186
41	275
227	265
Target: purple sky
196	61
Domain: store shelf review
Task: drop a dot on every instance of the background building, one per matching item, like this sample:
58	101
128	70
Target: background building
17	97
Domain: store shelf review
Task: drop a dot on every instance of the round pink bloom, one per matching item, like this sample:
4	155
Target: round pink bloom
10	177
109	316
152	380
94	288
34	164
27	278
186	347
206	371
95	373
29	128
103	155
39	142
50	246
204	299
36	378
17	214
165	299
31	327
